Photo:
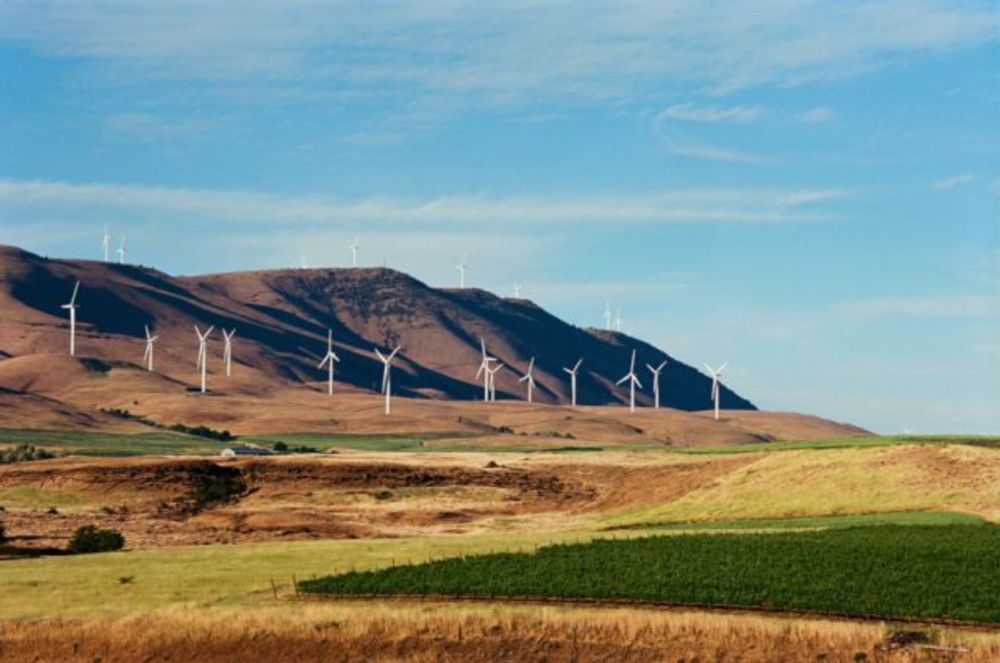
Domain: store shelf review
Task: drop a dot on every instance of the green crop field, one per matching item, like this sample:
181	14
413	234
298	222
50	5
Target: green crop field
819	522
848	442
887	571
112	444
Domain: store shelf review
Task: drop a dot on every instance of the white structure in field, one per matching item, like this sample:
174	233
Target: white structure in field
462	267
227	352
387	377
121	251
354	252
147	357
530	379
203	354
572	380
656	382
716	374
71	307
106	244
484	370
329	359
633	381
492	375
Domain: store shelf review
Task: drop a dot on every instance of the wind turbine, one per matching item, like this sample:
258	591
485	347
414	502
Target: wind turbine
354	252
203	353
618	321
461	267
106	244
633	381
227	353
484	370
716	374
71	307
121	251
492	372
148	355
656	382
517	291
387	377
530	379
330	358
607	316
572	379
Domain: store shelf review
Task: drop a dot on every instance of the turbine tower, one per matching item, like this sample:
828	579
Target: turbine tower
633	381
387	377
491	373
517	291
203	354
484	370
121	251
618	321
607	316
462	268
71	307
530	379
354	252
106	244
329	360
716	374
148	355
572	380
227	353
656	382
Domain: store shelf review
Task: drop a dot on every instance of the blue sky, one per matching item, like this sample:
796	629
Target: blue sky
809	190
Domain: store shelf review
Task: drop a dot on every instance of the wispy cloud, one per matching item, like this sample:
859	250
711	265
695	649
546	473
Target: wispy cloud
692	113
933	306
817	115
952	182
672	206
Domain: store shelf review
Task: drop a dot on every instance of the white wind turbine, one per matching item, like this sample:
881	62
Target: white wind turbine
387	377
633	381
106	244
517	291
203	354
329	360
121	251
530	379
618	320
484	370
607	316
462	267
492	372
354	252
71	307
656	382
148	355
716	374
227	353
572	380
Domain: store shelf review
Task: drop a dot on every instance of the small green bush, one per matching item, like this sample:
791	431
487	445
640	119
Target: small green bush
280	446
89	539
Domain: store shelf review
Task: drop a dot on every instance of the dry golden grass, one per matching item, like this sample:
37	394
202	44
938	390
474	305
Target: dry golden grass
402	631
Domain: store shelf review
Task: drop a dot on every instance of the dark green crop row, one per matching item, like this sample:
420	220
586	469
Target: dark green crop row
948	571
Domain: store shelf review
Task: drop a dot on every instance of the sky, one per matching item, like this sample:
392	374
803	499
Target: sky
808	190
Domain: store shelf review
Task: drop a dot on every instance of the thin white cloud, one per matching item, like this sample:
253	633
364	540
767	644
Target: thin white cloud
817	115
934	306
951	182
672	206
691	113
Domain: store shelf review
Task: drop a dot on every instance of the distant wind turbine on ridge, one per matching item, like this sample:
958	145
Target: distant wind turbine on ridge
633	381
618	321
71	307
106	244
462	267
572	380
607	316
716	374
147	357
517	291
203	354
484	370
656	382
530	379
121	251
227	353
492	374
354	252
387	377
329	359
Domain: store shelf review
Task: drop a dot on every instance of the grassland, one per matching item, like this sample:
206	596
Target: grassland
848	443
113	444
887	571
825	522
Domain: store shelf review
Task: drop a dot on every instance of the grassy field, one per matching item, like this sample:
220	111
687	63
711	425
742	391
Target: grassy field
886	571
849	443
113	444
826	522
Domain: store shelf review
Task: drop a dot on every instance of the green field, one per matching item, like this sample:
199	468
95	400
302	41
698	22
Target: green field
820	522
113	444
887	571
848	442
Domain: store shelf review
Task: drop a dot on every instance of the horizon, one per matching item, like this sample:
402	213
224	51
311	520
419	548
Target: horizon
819	207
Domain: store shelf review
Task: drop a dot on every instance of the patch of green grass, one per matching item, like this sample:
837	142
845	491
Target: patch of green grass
846	442
878	571
35	497
358	442
112	444
819	522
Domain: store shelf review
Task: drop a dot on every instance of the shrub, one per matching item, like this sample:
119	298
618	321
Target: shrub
89	539
22	453
3	533
280	446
